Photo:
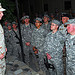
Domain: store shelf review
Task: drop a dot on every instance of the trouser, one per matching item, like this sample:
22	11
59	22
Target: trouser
70	68
2	66
26	54
41	61
16	50
58	64
10	50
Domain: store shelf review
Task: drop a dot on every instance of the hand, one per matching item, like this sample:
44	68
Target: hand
28	43
1	56
6	49
48	56
34	48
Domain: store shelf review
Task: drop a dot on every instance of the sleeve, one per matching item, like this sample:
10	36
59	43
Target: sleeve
46	46
2	41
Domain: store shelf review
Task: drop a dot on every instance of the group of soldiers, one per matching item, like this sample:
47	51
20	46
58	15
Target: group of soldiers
45	38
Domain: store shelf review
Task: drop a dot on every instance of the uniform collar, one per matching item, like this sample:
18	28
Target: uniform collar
72	36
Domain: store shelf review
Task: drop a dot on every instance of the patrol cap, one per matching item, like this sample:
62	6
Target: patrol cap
56	22
13	22
39	19
46	15
24	17
70	21
9	24
1	9
65	15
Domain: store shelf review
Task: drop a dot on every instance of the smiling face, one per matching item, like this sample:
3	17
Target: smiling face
65	19
71	28
54	26
27	20
45	19
14	26
1	14
9	27
37	23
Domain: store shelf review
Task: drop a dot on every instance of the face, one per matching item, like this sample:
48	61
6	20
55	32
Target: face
6	23
52	16
46	19
14	26
64	19
26	20
70	28
54	26
37	23
9	27
1	14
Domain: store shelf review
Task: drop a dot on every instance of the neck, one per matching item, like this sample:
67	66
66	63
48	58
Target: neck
38	27
46	22
72	33
9	29
26	23
15	29
54	31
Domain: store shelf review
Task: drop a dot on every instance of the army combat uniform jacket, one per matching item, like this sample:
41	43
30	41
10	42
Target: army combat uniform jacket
2	51
54	43
70	52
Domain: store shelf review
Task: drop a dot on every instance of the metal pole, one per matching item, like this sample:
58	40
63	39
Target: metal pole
22	52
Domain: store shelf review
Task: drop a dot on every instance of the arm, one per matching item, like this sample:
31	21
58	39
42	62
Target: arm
2	43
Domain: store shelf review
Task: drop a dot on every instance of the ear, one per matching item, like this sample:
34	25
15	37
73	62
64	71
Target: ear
40	24
48	19
74	28
57	26
67	18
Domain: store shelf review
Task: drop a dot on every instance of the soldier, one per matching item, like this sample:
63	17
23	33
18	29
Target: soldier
53	47
16	41
26	21
5	26
26	31
62	28
38	36
46	24
70	47
8	39
2	46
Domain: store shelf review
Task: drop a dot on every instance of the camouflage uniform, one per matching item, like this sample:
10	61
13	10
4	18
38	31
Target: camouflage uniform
2	51
46	26
38	36
9	42
16	43
53	45
63	30
70	50
5	28
26	37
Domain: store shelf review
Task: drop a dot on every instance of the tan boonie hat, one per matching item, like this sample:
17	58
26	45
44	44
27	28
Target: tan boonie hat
1	9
